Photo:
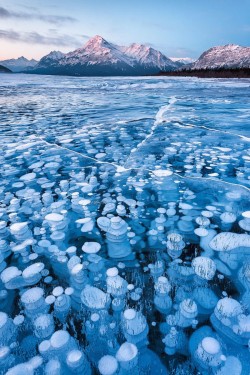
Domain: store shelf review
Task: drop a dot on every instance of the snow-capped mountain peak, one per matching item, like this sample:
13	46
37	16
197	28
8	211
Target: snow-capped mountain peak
54	55
52	58
149	56
96	42
183	60
97	51
136	49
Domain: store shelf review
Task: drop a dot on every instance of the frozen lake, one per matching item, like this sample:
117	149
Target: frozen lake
158	113
124	225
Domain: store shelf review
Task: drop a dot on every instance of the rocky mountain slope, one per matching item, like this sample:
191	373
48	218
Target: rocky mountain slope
3	69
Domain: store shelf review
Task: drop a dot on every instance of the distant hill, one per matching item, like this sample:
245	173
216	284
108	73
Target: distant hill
3	69
19	65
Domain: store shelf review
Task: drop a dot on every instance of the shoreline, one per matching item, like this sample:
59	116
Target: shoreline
209	73
227	74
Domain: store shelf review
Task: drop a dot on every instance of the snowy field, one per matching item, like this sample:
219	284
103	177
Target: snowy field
124	226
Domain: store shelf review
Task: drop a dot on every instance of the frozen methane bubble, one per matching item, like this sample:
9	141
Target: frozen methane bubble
175	245
245	223
116	234
77	362
162	300
54	218
162	173
127	355
209	352
135	326
116	285
9	275
7	329
229	319
61	343
28	177
186	313
34	302
210	345
32	274
91	247
87	224
204	267
20	231
44	326
227	220
228	241
94	298
53	367
108	365
22	368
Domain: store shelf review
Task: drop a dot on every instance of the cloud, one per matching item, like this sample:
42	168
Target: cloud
56	20
4	13
84	36
33	37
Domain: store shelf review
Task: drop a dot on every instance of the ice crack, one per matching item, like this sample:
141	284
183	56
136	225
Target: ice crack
159	119
121	169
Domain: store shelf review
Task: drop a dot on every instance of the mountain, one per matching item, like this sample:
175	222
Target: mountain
19	65
230	56
98	57
49	61
3	69
183	61
149	57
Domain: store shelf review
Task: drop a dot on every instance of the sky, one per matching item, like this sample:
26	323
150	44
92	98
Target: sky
178	28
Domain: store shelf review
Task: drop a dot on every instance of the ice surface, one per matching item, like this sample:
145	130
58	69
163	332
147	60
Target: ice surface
124	225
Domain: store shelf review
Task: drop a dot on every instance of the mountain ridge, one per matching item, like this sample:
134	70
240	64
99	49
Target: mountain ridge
98	57
229	56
